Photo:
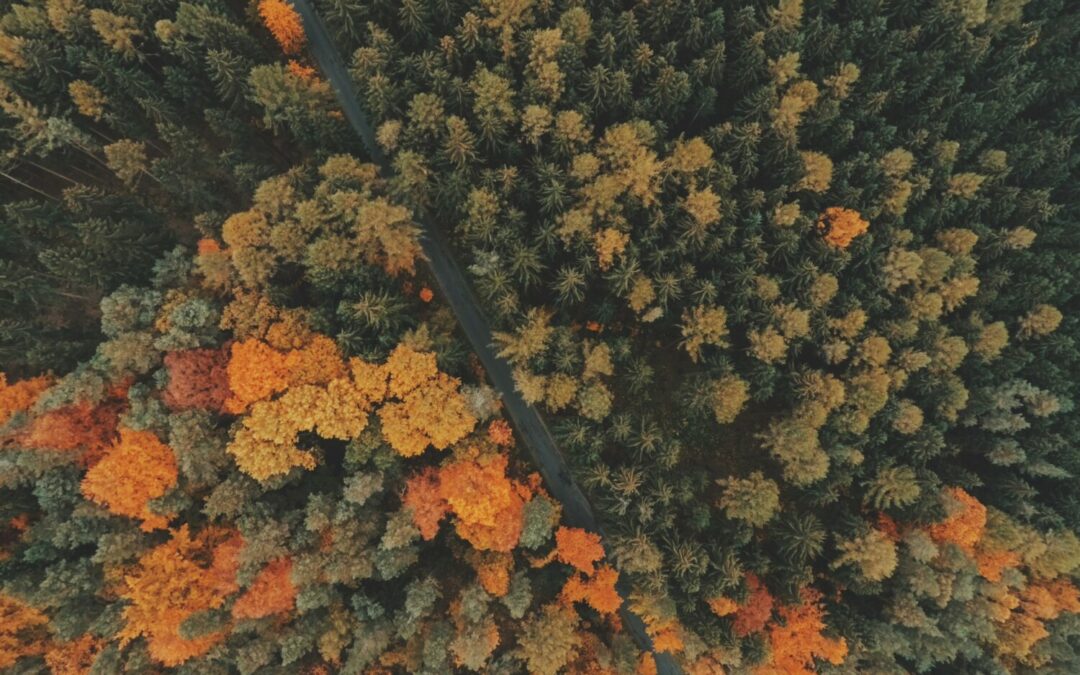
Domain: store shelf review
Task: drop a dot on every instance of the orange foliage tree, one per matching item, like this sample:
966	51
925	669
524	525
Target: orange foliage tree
722	606
963	527
134	470
493	570
19	396
75	657
271	593
598	590
20	628
1025	626
666	636
489	507
500	433
284	24
840	226
257	371
300	70
579	548
661	622
796	639
992	563
175	580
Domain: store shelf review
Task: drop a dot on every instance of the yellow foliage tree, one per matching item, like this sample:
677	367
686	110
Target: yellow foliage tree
703	326
428	410
420	405
609	243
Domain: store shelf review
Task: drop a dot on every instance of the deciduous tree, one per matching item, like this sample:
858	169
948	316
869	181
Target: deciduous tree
284	24
136	469
173	581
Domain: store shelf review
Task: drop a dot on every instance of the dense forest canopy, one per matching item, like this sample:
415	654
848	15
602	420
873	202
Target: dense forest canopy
794	283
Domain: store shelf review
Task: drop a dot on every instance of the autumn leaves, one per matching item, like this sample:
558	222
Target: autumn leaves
321	392
416	405
497	515
284	24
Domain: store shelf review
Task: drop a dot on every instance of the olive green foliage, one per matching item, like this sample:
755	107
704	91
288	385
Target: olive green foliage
656	176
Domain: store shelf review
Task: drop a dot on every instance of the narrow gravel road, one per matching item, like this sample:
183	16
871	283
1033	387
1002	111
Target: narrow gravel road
459	296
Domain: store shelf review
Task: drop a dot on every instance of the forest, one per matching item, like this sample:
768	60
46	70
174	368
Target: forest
794	285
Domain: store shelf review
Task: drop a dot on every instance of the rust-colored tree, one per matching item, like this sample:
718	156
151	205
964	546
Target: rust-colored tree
197	379
423	497
753	614
86	428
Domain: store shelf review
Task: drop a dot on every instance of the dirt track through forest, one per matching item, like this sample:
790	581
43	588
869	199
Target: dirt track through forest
462	301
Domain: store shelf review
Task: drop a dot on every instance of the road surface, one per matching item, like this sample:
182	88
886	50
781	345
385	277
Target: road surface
457	293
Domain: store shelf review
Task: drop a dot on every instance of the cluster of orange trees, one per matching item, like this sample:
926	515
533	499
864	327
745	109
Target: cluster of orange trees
225	485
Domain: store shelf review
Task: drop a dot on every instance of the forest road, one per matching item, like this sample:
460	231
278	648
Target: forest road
462	301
